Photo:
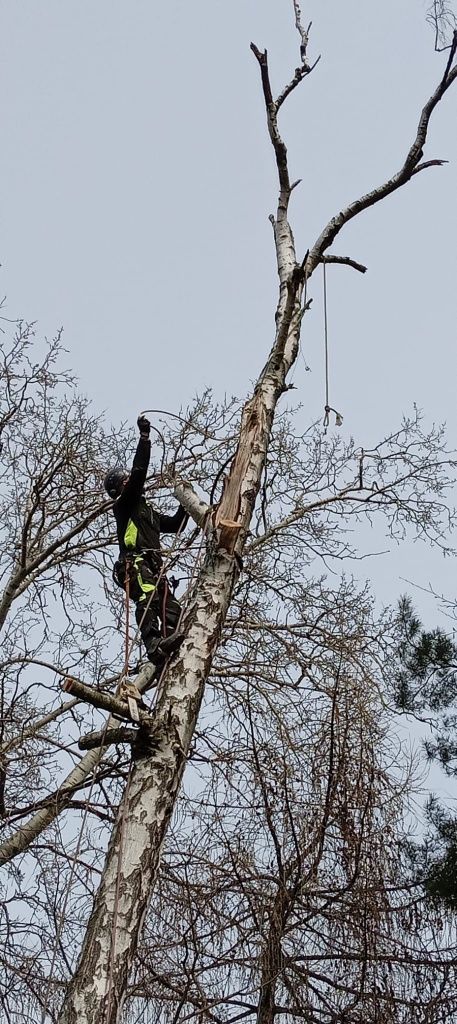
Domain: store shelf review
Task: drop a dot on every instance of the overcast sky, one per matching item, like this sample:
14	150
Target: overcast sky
137	179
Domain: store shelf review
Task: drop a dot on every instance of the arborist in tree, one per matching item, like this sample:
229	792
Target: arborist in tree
140	562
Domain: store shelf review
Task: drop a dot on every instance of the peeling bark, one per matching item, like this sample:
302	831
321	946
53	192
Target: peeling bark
25	836
98	987
97	990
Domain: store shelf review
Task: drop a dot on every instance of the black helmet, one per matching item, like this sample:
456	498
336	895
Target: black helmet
114	481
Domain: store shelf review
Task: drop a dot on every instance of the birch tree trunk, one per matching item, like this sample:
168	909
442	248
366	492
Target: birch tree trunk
98	987
77	778
97	990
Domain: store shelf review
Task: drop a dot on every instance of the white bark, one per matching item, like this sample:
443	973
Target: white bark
23	837
27	834
97	989
194	505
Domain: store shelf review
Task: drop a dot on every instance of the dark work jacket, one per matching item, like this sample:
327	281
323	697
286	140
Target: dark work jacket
138	524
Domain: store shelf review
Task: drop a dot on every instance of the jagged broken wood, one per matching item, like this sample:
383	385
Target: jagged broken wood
77	778
98	988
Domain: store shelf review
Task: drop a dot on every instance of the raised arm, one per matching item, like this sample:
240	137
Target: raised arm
137	479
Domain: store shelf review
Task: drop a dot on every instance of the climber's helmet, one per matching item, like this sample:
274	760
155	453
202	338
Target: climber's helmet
114	481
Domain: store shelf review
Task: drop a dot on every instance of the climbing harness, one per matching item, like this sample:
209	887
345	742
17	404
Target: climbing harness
110	981
328	408
121	575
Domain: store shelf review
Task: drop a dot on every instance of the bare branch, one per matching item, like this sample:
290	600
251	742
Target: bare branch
410	166
271	108
443	19
345	261
104	737
37	726
303	33
61	798
429	163
300	73
187	496
104	700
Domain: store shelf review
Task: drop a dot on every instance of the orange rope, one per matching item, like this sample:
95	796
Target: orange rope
110	986
127	623
126	794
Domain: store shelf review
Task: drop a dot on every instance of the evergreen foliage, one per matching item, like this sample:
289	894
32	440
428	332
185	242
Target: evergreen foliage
426	680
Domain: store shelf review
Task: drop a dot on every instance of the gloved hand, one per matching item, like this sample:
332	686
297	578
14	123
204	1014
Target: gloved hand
144	425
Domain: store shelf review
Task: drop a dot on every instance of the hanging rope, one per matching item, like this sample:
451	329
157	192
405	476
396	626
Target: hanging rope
328	408
128	646
127	623
110	981
162	572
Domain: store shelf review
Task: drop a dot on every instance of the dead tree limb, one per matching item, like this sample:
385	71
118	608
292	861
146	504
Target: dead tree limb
102	699
105	737
62	797
98	988
345	261
412	165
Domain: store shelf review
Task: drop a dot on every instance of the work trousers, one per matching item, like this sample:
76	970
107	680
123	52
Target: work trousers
157	611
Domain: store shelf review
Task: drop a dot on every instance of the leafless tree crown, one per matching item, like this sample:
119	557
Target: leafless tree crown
263	798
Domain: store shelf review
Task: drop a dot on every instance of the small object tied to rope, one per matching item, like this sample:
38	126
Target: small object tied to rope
328	408
131	694
338	417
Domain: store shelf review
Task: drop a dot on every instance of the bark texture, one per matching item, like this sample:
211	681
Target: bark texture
97	990
77	778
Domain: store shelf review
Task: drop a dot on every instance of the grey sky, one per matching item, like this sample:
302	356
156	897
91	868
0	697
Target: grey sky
137	179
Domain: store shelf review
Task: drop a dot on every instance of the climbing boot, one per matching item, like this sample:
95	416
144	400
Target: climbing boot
162	649
171	644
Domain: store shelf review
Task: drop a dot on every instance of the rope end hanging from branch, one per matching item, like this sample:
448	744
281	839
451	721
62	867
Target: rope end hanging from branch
338	417
328	408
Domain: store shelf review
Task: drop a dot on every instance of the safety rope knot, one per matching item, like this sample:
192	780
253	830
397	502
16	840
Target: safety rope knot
338	417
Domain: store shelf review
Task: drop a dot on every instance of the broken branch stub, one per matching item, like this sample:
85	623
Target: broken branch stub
107	701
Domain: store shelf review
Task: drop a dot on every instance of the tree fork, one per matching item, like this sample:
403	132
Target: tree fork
97	989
